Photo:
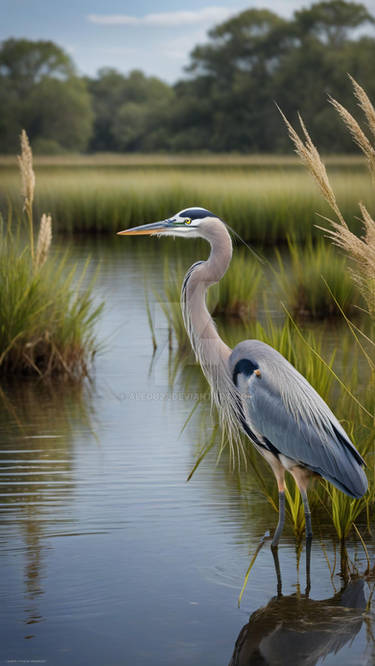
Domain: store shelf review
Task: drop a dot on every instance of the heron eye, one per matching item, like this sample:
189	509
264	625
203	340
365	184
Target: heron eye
188	221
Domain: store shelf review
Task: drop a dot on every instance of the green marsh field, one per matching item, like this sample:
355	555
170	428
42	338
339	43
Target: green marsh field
264	199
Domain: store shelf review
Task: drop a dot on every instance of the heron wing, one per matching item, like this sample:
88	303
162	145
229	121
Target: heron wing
285	413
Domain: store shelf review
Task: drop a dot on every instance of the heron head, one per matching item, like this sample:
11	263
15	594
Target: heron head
189	222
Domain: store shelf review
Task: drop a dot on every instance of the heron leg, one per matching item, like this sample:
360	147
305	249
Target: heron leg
308	566
279	472
307	514
302	477
280	524
275	554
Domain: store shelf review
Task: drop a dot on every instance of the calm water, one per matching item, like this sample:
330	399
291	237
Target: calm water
109	557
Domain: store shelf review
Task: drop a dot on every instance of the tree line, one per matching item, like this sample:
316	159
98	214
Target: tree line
225	101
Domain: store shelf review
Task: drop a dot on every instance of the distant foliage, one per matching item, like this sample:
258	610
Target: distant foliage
42	93
225	103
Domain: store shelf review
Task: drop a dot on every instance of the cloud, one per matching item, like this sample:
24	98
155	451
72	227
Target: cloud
179	48
165	19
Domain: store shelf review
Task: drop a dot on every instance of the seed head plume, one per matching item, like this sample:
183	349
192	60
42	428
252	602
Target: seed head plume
365	104
44	240
309	154
25	162
357	133
361	250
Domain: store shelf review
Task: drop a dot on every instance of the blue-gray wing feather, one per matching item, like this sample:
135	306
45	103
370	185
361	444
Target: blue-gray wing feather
289	416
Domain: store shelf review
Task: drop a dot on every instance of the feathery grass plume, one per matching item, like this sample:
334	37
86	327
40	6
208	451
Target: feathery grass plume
44	240
25	162
310	156
361	250
365	104
362	253
357	133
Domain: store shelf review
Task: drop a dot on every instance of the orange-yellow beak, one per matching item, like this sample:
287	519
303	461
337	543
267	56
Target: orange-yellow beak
146	229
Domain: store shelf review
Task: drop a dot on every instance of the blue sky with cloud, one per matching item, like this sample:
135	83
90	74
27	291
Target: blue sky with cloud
154	37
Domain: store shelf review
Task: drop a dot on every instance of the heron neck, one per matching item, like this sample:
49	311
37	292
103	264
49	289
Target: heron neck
200	326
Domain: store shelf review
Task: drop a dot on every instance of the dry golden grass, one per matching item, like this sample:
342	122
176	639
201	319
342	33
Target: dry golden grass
25	163
359	137
361	250
44	240
309	154
365	104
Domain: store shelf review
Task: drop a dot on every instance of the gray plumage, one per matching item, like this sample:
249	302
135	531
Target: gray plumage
255	389
284	409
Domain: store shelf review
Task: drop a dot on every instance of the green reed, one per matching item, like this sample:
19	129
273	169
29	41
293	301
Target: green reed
47	315
301	278
263	202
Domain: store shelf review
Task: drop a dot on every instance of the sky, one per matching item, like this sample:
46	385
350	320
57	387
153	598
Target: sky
155	37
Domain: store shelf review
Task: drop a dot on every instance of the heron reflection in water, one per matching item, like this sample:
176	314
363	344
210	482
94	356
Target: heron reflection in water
255	389
298	630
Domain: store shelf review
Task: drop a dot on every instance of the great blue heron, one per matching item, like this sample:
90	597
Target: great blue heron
255	389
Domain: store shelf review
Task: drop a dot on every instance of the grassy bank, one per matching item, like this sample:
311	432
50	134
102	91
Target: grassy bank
47	311
263	201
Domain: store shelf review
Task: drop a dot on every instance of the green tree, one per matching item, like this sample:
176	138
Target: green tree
43	95
257	58
332	22
131	112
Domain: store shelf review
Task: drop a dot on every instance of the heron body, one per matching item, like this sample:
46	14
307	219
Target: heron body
255	389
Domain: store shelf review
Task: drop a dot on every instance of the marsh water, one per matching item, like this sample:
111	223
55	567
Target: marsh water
108	556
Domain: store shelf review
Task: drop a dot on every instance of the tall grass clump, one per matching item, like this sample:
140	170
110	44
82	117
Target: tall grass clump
47	315
301	279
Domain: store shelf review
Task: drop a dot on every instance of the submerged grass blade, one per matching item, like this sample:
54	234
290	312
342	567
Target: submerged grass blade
252	562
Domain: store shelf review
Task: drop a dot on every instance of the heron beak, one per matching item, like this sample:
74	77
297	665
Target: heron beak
146	229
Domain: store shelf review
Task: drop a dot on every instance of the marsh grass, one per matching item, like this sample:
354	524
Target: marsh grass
263	204
303	283
47	316
47	312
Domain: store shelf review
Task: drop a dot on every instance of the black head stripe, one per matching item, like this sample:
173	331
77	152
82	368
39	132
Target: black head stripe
196	214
